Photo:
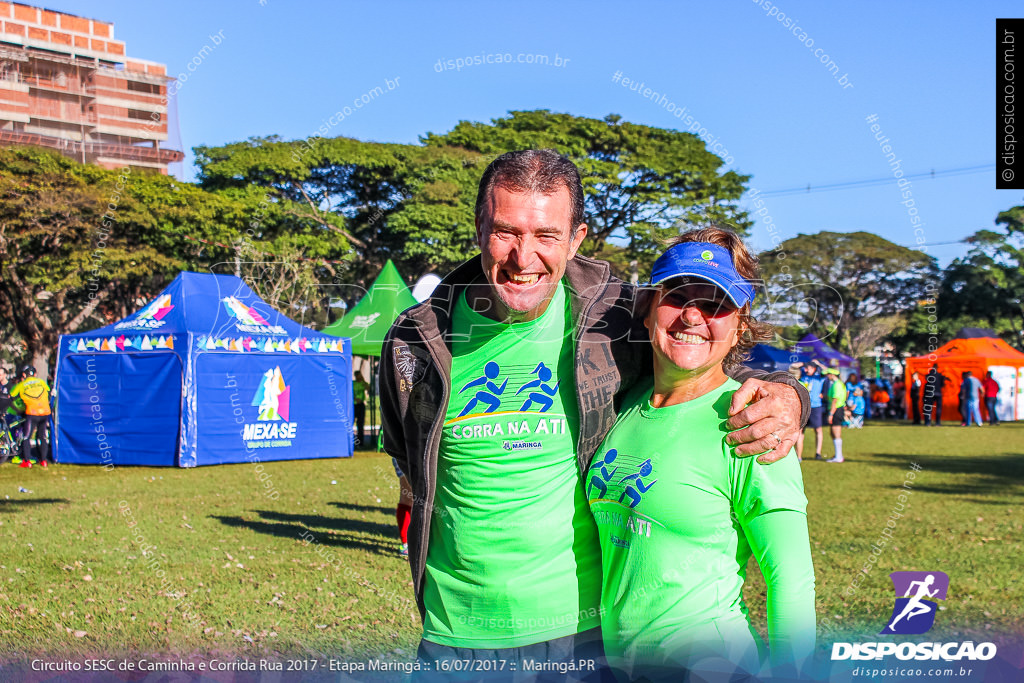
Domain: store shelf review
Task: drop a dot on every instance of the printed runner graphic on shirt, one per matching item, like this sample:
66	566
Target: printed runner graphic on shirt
506	401
616	483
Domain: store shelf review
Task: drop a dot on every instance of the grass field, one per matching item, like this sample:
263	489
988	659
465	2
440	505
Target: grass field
315	572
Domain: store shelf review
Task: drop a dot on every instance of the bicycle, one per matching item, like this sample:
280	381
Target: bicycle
11	437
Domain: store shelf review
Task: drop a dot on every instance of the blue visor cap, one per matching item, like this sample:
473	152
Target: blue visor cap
707	261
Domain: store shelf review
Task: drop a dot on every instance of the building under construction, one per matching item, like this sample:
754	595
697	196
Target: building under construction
66	84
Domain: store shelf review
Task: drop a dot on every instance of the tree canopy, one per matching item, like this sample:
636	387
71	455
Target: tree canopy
988	283
414	203
303	221
842	285
382	201
641	183
984	288
81	246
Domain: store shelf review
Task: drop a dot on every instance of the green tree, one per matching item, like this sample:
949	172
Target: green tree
642	183
407	203
414	203
847	288
987	285
81	246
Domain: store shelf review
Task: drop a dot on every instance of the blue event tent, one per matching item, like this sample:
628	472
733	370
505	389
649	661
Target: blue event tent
771	359
206	374
824	353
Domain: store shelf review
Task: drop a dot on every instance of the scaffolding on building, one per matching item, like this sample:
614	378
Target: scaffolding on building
90	108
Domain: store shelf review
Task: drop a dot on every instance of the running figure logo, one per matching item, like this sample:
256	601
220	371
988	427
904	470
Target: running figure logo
637	487
543	373
601	474
631	486
913	613
490	392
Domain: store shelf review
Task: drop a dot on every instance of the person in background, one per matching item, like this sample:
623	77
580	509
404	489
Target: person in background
32	396
855	406
836	396
933	385
359	388
880	401
961	399
915	398
899	390
852	383
403	511
991	389
972	398
867	384
5	404
814	383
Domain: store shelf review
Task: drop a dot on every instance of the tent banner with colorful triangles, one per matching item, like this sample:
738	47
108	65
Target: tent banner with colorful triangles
205	373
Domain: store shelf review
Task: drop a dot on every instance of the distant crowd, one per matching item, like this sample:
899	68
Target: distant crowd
836	403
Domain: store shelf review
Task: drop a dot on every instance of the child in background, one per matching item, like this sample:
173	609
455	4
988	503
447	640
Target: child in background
856	406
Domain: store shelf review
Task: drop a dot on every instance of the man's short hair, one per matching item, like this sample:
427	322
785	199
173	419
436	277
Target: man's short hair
541	171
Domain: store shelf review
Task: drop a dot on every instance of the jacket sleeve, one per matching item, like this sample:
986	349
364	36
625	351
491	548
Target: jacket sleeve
393	404
741	373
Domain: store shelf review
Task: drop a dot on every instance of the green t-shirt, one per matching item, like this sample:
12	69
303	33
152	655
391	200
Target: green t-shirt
837	394
671	503
513	557
359	388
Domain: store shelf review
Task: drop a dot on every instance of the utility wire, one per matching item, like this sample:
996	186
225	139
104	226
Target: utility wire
857	184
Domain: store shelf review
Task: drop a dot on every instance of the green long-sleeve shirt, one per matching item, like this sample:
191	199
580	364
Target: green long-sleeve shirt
679	517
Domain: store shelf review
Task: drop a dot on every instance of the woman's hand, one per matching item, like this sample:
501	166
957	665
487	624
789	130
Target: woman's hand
770	424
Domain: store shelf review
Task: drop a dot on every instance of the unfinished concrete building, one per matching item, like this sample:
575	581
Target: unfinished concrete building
66	84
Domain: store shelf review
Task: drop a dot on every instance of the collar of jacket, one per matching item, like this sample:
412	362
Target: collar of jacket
582	275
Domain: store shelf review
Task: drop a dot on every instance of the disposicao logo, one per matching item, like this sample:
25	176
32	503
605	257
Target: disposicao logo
272	399
912	614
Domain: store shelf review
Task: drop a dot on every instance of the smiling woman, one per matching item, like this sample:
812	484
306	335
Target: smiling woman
699	313
664	485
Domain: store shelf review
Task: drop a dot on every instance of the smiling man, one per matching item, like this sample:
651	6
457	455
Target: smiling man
495	394
526	240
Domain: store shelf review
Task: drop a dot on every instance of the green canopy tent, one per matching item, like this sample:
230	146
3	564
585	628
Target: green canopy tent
369	320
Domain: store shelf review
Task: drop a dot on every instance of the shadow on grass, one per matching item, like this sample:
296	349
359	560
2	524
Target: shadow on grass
999	475
359	526
364	508
14	505
296	527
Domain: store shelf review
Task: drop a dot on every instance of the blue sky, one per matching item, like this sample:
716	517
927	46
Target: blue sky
925	69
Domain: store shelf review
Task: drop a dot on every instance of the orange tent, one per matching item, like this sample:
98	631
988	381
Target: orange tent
979	355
